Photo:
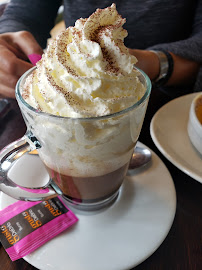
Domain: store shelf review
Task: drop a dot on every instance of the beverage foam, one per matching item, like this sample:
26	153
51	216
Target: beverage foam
87	70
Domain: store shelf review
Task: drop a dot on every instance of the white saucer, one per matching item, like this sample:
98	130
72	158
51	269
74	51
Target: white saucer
120	237
169	132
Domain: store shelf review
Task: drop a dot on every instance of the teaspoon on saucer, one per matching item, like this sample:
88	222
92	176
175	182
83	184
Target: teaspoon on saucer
141	157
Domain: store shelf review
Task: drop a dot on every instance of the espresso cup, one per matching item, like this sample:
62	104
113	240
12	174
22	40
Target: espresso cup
194	126
86	158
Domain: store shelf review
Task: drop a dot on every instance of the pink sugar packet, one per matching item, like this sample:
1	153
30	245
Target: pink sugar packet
34	58
25	226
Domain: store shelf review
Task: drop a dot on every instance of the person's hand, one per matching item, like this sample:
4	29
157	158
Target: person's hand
14	51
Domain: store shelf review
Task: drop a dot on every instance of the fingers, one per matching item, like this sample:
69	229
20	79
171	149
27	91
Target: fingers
27	43
8	79
11	64
14	49
5	42
21	67
6	91
10	72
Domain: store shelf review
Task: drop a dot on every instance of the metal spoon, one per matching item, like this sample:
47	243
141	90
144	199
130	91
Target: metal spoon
141	157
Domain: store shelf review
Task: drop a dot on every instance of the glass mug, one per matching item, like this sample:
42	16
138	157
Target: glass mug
86	158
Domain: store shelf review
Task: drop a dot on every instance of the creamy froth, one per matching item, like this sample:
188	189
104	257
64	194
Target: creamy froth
86	71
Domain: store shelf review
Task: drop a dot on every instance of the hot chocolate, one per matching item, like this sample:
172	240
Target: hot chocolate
88	103
89	189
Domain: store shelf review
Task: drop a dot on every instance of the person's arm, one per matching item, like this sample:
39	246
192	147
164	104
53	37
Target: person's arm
187	56
184	71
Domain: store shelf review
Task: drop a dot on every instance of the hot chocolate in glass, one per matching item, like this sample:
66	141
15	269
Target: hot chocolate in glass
84	105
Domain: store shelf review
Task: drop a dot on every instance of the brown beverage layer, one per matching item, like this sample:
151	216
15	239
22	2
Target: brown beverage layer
89	189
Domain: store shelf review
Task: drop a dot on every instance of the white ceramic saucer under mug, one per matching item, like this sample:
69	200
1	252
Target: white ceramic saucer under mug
119	237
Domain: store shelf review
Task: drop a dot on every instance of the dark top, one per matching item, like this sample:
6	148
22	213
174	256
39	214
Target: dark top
151	24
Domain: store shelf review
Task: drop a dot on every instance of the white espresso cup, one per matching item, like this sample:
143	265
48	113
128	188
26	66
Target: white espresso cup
194	126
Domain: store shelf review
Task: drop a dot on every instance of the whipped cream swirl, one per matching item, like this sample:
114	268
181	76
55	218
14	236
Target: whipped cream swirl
86	71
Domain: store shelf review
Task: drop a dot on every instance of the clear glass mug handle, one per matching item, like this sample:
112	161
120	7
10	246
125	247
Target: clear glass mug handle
8	156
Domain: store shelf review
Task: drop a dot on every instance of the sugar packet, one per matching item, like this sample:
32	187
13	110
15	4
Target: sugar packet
25	226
